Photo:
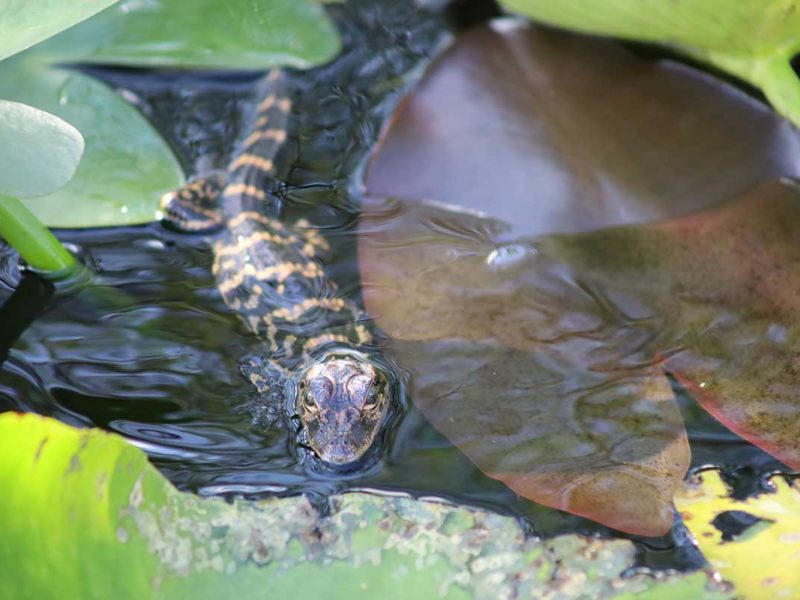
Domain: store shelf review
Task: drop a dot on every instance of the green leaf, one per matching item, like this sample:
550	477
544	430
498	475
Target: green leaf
234	34
126	165
26	22
752	39
38	151
84	515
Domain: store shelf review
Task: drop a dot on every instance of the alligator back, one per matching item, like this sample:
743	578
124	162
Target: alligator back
268	272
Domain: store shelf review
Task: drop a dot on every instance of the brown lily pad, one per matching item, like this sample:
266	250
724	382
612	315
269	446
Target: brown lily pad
554	132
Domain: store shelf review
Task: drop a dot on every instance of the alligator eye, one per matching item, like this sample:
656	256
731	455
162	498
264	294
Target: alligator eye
310	404
372	402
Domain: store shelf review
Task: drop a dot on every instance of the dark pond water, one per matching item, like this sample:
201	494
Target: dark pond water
147	349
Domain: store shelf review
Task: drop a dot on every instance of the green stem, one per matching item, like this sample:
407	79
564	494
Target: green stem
34	242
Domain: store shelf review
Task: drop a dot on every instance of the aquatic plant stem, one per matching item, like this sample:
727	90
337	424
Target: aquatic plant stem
34	242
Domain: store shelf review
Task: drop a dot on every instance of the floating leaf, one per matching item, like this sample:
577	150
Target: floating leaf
86	510
234	34
760	559
752	39
26	22
553	132
126	166
38	151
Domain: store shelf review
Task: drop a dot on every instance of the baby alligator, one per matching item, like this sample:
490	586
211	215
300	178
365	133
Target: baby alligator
320	365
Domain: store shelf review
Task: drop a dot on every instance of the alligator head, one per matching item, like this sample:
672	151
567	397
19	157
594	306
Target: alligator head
342	402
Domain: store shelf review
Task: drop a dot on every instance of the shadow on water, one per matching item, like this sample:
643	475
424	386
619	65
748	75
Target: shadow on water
148	349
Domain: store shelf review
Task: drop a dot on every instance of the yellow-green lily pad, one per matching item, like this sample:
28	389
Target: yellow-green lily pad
761	561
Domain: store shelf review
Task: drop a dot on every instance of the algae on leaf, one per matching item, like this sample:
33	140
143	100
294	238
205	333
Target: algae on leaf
752	39
86	510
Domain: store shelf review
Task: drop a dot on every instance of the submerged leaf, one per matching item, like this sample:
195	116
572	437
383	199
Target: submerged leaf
713	298
513	364
553	132
38	151
23	23
126	166
234	34
723	288
512	342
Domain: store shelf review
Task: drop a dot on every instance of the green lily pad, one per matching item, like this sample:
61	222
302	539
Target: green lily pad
38	151
84	515
752	39
23	23
126	165
235	34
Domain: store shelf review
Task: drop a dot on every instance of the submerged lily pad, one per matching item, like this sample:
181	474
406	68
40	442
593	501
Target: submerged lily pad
722	292
542	358
712	298
553	132
752	39
84	509
38	151
234	34
508	362
23	23
126	165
